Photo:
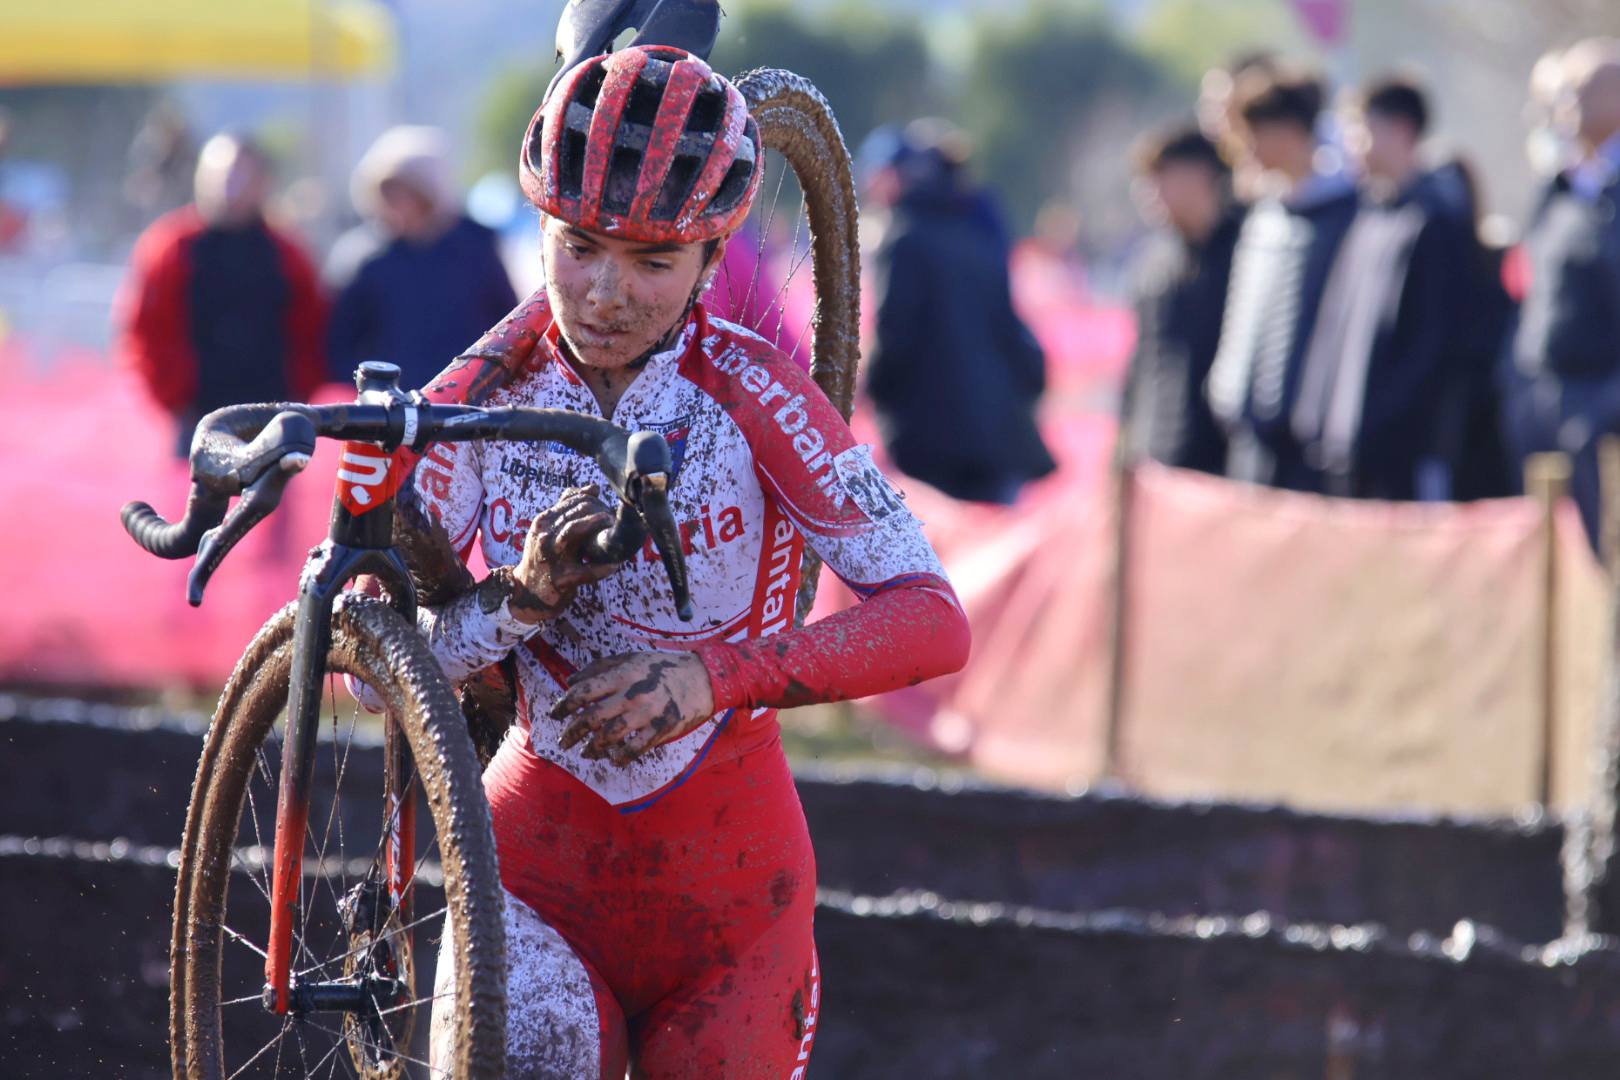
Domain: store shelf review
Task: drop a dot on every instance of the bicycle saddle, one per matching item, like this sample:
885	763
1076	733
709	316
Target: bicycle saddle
589	27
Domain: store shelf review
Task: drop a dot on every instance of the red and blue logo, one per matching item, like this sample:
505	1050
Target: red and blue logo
674	433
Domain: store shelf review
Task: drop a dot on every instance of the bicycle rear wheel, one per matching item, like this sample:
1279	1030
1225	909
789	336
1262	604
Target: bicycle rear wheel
348	931
796	123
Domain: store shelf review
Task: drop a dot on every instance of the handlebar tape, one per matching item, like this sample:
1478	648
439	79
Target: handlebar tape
179	539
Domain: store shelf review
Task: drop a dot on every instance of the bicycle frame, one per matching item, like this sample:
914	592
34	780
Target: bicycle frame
357	543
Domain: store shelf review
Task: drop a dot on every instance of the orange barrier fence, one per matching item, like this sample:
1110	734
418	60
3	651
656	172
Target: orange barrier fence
1333	654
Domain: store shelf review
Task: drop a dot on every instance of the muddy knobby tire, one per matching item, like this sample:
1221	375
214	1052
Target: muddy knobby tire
373	642
795	121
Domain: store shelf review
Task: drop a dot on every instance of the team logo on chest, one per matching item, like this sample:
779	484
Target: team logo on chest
674	432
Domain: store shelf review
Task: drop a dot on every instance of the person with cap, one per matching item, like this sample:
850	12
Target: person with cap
418	281
659	878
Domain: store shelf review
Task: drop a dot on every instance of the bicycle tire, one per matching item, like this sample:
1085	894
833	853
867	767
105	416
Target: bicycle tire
373	642
795	121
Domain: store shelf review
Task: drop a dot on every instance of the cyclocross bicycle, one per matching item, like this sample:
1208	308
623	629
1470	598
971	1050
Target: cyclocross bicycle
301	906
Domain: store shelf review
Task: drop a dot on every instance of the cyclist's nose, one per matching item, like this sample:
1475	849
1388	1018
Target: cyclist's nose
607	286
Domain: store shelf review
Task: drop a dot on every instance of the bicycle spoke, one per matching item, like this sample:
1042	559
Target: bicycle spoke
303	1048
234	936
435	913
322	846
413	1004
764	235
795	261
396	1053
262	1051
257	998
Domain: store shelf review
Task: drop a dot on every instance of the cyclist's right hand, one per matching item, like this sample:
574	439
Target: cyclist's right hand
552	567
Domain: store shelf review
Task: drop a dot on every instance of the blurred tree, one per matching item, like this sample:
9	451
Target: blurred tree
1192	36
873	66
503	116
1050	95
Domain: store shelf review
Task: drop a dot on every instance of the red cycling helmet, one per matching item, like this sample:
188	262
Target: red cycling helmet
647	143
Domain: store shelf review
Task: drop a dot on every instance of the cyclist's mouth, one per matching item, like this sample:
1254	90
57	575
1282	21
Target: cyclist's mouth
600	337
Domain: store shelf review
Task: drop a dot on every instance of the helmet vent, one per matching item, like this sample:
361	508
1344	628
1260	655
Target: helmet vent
683	173
642	108
732	188
706	112
571	178
620	190
590	85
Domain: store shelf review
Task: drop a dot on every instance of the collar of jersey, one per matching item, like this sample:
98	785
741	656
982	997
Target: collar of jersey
692	331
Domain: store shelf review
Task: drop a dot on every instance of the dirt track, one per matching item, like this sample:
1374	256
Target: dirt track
920	986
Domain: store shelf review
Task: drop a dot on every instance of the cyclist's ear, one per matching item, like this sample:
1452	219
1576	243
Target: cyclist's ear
713	252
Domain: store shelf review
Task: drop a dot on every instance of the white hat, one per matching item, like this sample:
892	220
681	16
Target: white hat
411	154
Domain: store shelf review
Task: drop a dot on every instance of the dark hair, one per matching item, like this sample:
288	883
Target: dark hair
1279	97
1395	97
1180	145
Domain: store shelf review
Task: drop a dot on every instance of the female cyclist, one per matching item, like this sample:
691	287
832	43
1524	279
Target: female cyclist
660	881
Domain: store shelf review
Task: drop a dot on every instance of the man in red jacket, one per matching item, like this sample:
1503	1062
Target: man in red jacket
220	307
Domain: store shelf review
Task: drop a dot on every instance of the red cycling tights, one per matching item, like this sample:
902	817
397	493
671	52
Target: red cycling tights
684	927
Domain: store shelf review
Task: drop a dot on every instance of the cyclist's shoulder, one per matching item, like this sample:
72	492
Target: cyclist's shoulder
723	353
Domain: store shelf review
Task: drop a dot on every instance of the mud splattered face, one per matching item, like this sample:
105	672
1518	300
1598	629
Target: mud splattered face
616	299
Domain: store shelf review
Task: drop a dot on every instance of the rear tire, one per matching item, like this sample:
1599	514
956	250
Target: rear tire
796	122
216	1028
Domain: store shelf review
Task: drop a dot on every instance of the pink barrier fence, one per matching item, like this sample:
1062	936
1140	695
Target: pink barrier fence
1279	646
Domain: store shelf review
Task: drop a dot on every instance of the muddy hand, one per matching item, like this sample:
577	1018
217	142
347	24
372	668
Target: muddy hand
551	569
622	706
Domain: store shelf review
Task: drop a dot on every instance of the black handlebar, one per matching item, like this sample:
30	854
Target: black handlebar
252	450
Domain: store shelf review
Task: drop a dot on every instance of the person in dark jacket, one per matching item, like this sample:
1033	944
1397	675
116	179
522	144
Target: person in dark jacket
1567	349
1378	362
1179	294
419	281
220	307
1279	270
954	375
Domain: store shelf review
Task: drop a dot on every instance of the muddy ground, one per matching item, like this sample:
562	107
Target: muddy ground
1098	945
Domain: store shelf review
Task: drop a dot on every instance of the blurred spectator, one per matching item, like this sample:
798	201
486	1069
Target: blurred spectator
1376	366
1567	348
1048	273
1550	145
13	220
1179	294
1470	432
955	375
220	307
1219	119
1279	270
162	159
419	281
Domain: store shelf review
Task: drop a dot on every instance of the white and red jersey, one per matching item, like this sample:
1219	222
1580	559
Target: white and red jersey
762	463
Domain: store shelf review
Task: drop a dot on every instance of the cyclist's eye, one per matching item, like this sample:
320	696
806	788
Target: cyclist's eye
578	251
657	265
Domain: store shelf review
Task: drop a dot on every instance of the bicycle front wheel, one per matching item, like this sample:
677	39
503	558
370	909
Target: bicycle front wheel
363	949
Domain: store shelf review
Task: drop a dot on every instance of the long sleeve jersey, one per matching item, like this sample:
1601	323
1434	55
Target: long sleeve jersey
762	464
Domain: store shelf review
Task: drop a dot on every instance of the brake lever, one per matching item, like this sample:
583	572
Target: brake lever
652	504
258	501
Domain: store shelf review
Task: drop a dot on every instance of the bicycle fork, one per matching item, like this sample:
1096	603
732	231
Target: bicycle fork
312	641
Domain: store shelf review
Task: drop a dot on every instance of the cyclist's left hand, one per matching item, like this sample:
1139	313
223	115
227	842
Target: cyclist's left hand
623	706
